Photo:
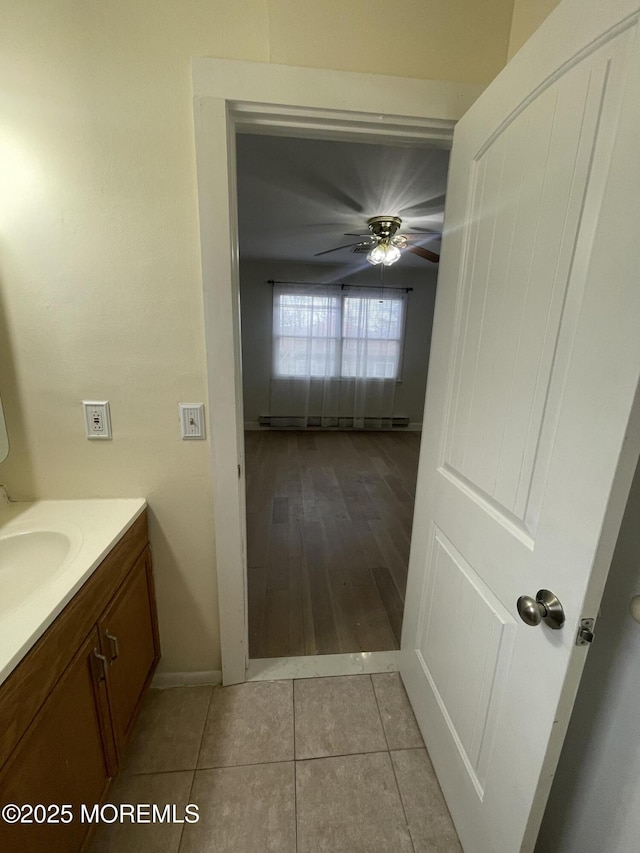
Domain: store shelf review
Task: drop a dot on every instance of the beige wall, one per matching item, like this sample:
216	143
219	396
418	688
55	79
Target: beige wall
527	17
100	288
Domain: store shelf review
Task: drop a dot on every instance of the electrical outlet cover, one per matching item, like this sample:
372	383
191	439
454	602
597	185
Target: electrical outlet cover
97	418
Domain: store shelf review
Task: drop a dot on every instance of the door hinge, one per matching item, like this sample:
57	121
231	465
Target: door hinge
239	472
585	632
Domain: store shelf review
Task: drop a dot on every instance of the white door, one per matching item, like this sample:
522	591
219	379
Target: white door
531	433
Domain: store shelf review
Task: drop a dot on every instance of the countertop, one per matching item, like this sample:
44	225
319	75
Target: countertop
93	526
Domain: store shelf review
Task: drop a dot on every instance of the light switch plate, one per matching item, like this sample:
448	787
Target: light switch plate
97	418
191	420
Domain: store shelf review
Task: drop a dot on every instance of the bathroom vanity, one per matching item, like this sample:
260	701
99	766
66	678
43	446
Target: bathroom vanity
75	659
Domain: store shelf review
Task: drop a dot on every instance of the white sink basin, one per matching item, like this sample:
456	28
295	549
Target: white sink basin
28	561
48	549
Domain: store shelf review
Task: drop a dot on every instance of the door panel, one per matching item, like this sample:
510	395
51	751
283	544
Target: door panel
520	457
527	193
462	650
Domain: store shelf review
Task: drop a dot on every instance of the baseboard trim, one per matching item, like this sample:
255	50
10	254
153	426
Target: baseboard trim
162	680
413	426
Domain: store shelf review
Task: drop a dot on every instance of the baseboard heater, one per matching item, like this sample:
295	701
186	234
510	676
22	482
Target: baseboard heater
293	421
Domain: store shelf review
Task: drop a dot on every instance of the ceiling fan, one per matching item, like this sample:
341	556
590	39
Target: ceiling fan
385	244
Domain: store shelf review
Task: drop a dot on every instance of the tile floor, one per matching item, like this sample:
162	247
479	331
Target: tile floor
316	764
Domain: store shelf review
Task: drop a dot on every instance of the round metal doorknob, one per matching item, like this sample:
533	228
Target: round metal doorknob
529	610
544	608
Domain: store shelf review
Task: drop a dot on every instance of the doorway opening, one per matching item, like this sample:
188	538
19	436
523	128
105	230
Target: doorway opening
335	354
232	97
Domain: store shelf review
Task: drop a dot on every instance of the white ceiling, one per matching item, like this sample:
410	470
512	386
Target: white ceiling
299	196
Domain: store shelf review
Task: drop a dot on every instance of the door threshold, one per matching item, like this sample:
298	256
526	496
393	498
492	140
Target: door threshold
319	666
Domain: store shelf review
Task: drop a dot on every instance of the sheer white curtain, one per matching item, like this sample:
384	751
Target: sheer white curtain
337	355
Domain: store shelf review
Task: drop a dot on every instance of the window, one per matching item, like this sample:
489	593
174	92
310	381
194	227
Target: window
306	332
325	334
371	337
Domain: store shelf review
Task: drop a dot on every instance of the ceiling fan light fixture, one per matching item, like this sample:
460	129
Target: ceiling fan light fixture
376	254
391	256
384	253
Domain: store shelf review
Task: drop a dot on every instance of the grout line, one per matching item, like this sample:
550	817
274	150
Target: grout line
157	772
277	761
384	730
341	675
295	762
193	780
404	811
393	768
343	755
189	801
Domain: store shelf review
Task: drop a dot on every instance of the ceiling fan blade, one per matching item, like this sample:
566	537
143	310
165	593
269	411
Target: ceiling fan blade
337	248
424	253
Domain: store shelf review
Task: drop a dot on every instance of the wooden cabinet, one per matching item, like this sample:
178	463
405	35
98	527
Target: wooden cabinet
127	639
67	710
61	760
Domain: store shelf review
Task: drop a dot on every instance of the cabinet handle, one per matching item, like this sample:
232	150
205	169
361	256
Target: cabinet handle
114	642
103	661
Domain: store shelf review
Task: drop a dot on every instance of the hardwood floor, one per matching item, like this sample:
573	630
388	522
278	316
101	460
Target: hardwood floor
328	526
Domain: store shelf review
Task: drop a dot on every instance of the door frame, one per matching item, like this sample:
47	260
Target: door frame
231	96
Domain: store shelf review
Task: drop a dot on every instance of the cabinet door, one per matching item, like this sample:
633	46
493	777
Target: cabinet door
61	758
128	637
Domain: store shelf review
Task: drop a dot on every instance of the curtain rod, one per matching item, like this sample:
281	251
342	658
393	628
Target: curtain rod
341	286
